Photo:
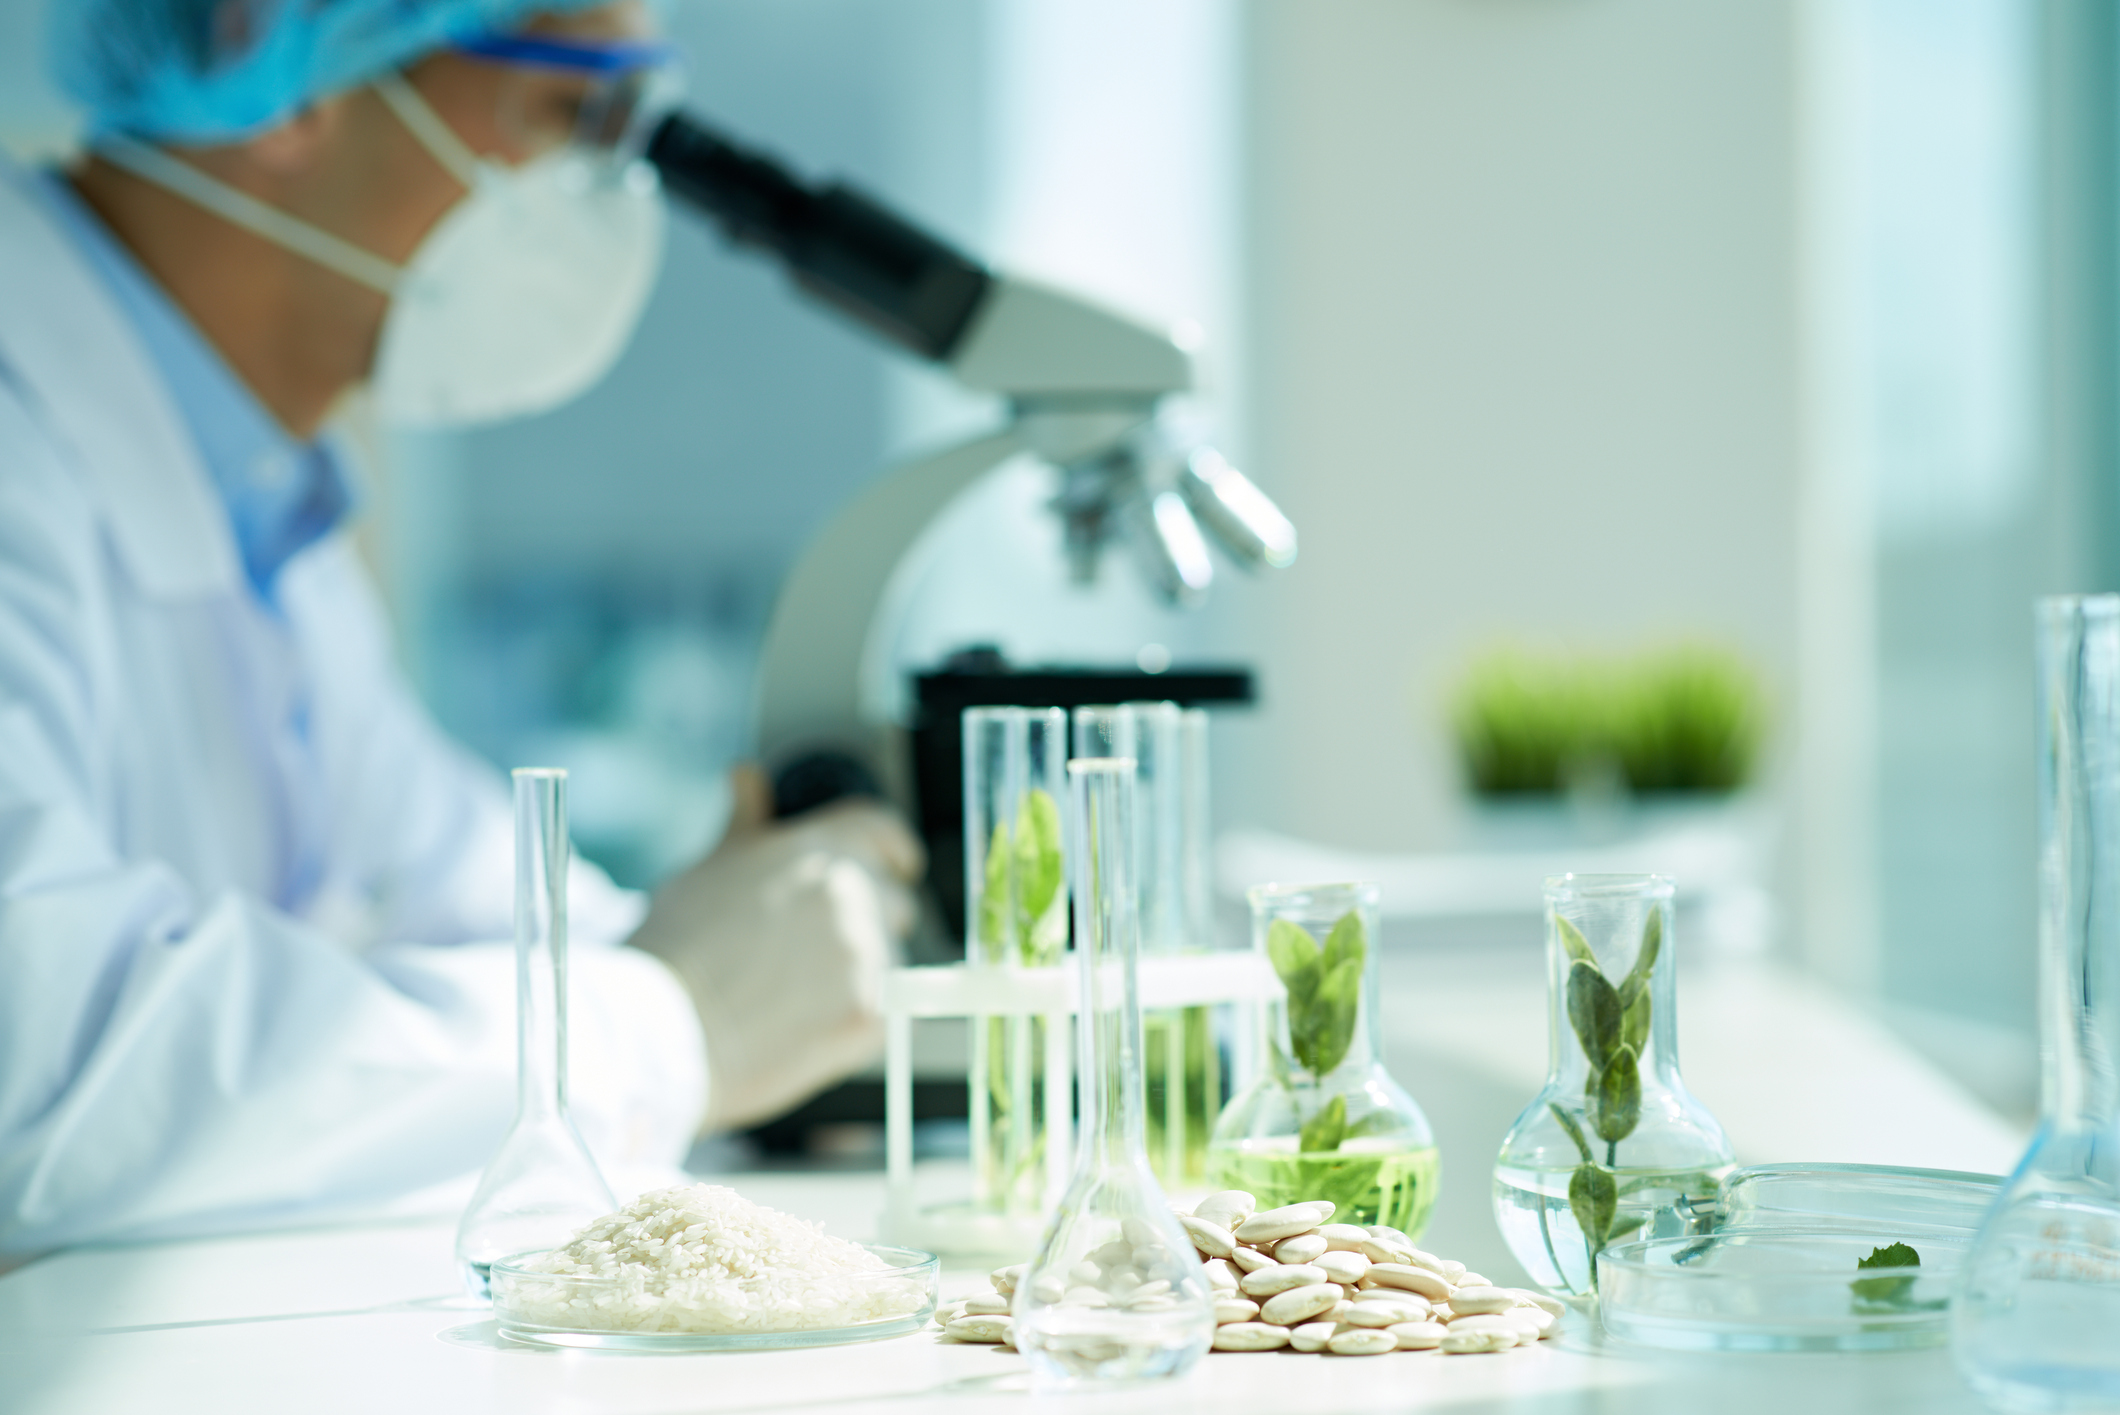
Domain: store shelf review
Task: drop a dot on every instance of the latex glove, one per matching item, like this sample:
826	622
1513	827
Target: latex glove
781	936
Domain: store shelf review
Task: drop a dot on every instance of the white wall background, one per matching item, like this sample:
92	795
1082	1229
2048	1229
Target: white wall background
1524	362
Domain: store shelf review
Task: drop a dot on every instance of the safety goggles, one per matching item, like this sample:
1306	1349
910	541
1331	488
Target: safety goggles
591	94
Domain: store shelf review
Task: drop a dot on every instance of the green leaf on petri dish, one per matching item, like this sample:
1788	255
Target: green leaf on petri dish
1889	1294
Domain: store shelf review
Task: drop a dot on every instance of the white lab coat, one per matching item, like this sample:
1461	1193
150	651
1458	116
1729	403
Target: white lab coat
178	1054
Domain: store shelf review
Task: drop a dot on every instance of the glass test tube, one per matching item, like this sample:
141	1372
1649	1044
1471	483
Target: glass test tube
1016	917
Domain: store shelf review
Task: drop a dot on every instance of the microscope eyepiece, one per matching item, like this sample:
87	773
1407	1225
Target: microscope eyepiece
844	248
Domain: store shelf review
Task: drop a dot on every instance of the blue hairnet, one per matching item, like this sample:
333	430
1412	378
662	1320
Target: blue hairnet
218	70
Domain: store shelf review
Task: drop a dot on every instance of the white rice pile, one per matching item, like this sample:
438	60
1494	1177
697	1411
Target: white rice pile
702	1258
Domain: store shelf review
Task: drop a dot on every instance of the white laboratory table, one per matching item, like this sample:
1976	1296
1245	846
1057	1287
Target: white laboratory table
360	1319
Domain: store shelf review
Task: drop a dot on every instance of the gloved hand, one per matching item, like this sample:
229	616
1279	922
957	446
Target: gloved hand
782	935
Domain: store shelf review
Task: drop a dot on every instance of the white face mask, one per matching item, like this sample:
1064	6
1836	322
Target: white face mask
520	299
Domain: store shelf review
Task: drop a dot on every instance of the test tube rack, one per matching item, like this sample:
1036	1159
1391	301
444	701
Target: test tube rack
986	990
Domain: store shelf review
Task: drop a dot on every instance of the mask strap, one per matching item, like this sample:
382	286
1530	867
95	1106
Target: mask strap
244	210
426	125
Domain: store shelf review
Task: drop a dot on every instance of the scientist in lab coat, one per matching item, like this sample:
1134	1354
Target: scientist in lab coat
254	906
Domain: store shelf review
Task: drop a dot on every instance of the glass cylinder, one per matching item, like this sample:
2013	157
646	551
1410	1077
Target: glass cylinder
1015	917
1615	1134
542	1184
2036	1322
1183	1067
1324	1119
1116	1292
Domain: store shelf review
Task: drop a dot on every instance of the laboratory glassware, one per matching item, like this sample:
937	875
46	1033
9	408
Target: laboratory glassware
1015	917
1116	1292
1323	1119
542	1184
1798	1257
1182	1061
2036	1323
1615	1134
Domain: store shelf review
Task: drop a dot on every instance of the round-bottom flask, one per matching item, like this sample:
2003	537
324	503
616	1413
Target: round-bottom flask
1615	1134
1324	1120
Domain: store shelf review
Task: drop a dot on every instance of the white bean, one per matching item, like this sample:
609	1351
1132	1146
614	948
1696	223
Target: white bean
1299	1249
1299	1304
1343	1237
1474	1343
1083	1274
1551	1306
1418	1336
1311	1336
1250	1259
1211	1239
1085	1297
1250	1336
1005	1279
1048	1288
1265	1282
1226	1209
986	1304
1234	1309
1389	1234
1379	1250
1220	1275
1429	1261
1359	1342
1341	1266
1284	1222
1384	1314
1412	1279
1453	1271
1469	1278
1475	1299
988	1329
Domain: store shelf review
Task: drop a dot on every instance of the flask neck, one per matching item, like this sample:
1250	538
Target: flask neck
541	866
1107	945
2079	808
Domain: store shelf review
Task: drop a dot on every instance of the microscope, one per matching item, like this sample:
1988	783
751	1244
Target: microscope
1084	388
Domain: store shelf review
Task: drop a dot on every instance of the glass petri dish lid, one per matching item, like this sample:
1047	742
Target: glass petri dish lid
1861	1198
1774	1263
1781	1289
618	1314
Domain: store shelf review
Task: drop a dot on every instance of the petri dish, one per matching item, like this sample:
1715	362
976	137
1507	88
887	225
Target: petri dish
1772	1264
1780	1289
594	1313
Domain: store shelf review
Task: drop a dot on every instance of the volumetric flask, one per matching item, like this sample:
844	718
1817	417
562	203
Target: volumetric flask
1016	917
1116	1292
542	1184
1183	1067
2036	1323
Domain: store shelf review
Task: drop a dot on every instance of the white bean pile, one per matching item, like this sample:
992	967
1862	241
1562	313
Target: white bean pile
1290	1277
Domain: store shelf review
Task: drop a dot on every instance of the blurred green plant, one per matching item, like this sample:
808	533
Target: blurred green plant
1686	718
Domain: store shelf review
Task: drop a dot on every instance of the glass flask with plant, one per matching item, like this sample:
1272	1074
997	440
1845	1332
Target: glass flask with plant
1324	1120
1563	1187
